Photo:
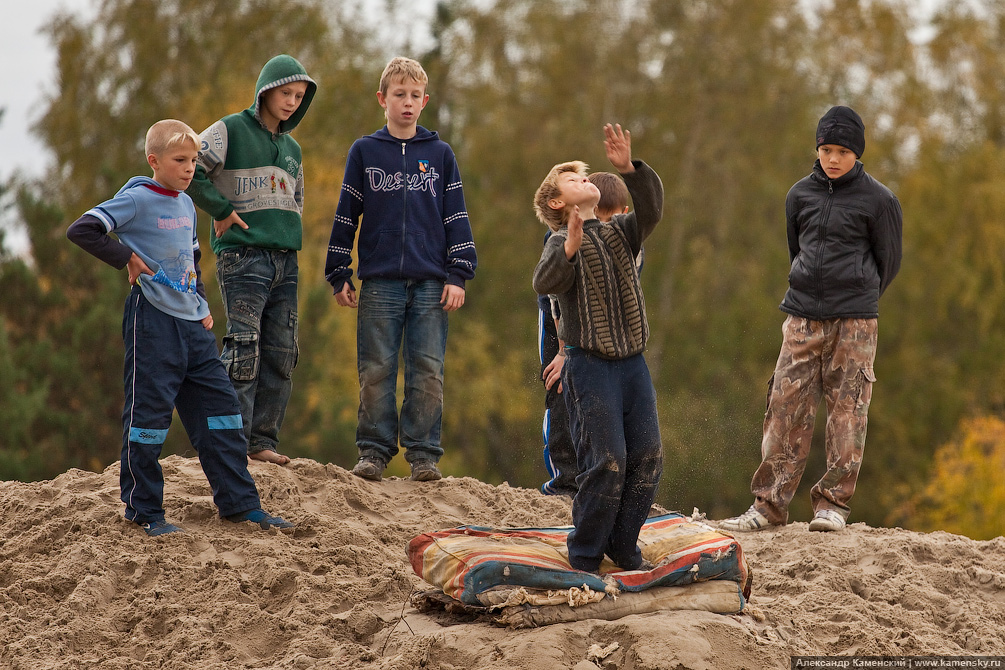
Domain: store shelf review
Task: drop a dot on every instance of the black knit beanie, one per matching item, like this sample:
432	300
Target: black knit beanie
842	126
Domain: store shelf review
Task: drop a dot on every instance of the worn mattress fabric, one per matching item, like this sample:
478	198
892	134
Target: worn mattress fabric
470	560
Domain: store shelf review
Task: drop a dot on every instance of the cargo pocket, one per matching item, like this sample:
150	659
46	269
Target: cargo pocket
767	398
866	379
294	357
240	356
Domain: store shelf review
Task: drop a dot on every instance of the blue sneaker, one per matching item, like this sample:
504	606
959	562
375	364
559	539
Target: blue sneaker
262	518
155	528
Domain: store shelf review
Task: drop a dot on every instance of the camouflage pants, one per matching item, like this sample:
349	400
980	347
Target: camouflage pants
832	359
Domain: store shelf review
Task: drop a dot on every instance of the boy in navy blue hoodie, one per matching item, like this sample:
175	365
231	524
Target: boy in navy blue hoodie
415	254
171	357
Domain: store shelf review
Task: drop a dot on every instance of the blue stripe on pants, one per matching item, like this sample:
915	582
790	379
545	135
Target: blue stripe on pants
225	422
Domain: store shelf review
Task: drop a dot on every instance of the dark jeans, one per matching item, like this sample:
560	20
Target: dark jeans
172	363
400	315
612	410
559	452
259	288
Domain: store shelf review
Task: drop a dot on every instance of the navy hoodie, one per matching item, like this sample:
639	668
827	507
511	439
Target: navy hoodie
415	225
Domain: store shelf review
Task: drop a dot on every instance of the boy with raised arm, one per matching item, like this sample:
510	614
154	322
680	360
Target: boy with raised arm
589	267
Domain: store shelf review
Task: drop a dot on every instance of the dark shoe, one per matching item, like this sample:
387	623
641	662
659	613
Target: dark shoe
370	467
155	528
264	520
424	470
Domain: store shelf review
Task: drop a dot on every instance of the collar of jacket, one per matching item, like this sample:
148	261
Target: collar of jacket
851	175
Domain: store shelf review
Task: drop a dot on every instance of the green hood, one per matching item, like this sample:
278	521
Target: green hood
281	70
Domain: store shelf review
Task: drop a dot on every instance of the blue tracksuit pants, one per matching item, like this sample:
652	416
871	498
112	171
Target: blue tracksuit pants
173	363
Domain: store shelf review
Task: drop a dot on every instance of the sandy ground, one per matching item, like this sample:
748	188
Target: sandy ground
80	587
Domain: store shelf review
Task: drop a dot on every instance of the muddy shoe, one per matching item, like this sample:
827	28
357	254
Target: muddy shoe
261	518
157	528
424	470
370	467
827	520
748	521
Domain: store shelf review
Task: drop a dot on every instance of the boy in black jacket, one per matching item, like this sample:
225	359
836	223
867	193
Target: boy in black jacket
844	234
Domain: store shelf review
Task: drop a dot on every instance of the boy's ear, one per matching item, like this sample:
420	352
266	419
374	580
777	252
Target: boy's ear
380	100
625	210
152	161
555	203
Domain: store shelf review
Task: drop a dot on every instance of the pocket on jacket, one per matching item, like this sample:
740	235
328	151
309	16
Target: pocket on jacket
425	254
384	247
798	276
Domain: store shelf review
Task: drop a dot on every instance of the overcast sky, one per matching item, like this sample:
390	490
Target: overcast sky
28	73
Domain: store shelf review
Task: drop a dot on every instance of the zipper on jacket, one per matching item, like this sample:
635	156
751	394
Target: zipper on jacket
823	242
404	210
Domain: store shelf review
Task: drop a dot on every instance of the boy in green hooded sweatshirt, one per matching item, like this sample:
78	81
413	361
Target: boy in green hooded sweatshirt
250	179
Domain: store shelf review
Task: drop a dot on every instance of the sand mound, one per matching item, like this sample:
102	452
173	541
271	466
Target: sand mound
80	587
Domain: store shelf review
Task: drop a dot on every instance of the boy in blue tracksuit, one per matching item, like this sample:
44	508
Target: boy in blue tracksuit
415	254
171	357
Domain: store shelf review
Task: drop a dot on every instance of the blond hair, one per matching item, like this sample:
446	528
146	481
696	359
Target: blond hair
549	190
404	69
613	193
168	134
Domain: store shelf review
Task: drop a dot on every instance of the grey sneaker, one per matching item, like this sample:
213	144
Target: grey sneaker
370	467
827	520
749	520
424	470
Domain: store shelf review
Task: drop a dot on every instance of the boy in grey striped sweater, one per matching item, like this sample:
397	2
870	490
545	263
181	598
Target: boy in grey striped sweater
590	267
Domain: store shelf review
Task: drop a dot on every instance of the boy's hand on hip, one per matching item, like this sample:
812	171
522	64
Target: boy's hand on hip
223	225
137	267
452	297
346	297
207	323
618	145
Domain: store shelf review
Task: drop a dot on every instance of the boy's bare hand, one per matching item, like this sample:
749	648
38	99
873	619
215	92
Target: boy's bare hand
618	144
553	372
207	323
452	297
137	267
575	233
346	297
223	225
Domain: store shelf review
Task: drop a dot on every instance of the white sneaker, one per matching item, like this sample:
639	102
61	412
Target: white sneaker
827	520
749	520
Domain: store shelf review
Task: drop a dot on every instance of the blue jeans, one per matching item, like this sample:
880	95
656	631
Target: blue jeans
174	364
615	427
259	288
400	315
